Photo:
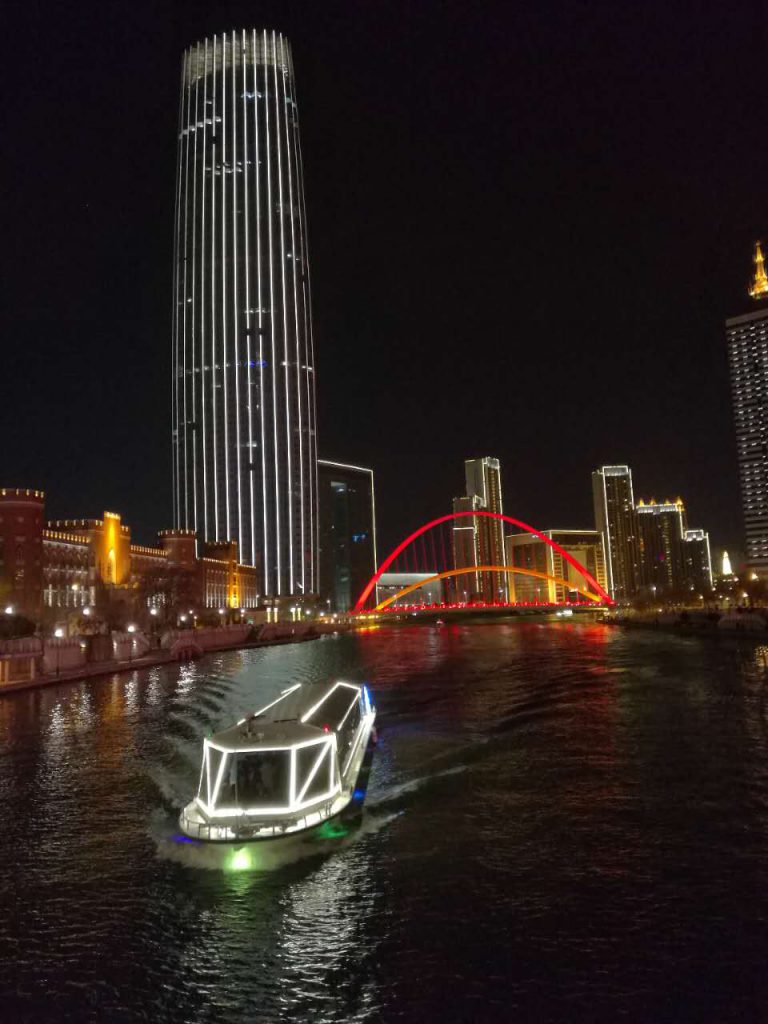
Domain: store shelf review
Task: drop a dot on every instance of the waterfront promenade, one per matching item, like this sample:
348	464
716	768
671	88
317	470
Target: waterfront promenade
742	622
31	662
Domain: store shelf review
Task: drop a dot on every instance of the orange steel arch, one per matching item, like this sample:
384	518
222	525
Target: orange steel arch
480	513
486	568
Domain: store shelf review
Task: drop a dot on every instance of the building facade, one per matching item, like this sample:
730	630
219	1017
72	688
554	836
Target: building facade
429	590
524	551
347	516
21	550
615	520
660	527
479	540
747	337
467	540
244	436
70	565
483	481
697	560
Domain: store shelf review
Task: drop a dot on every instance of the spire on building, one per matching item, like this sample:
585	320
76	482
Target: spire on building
759	286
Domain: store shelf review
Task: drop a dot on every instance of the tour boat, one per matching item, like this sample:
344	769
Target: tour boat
287	768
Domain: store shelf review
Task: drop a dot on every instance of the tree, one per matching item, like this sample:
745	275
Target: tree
169	588
12	626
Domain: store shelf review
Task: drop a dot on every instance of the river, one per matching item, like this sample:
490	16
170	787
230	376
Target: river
565	822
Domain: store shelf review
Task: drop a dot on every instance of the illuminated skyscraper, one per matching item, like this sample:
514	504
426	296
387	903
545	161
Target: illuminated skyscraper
468	549
697	560
347	512
615	520
244	443
748	355
660	529
483	477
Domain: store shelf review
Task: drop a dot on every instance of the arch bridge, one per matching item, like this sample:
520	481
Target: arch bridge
427	546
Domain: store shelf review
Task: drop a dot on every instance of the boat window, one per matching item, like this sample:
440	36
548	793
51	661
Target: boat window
334	707
214	763
257	779
322	781
348	731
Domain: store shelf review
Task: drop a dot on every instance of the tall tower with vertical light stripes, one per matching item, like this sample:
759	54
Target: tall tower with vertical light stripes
747	336
244	440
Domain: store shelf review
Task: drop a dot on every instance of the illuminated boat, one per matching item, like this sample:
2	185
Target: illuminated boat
284	769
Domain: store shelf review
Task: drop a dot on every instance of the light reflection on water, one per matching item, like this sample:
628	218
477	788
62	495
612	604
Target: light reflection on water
564	822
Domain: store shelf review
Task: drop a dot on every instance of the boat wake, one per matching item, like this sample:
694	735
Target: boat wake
381	810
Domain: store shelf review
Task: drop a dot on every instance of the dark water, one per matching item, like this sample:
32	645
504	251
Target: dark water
564	823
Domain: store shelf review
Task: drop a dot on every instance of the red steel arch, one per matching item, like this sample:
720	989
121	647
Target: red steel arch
591	581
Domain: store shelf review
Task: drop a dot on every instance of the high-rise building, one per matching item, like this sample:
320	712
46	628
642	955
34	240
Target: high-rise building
483	481
244	443
615	520
660	530
697	560
524	551
347	514
748	355
467	549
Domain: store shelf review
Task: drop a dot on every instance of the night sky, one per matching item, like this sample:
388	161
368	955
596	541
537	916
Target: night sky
527	223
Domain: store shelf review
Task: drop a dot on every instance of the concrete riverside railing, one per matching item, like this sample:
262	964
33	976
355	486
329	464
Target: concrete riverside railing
27	658
126	646
61	654
22	645
206	637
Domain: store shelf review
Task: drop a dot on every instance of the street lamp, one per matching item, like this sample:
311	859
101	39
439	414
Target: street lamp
9	609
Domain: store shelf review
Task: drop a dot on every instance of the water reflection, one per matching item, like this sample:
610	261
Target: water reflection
558	815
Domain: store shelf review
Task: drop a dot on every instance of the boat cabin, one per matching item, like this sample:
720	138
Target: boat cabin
290	756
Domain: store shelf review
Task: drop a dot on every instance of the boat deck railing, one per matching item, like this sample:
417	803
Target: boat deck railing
243	829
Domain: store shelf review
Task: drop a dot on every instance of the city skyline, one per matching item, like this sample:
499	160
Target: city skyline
667	317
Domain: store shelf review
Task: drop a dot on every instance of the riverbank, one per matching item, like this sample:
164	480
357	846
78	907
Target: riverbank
151	659
741	623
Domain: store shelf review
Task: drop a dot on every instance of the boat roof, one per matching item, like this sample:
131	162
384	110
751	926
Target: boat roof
254	735
302	713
